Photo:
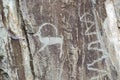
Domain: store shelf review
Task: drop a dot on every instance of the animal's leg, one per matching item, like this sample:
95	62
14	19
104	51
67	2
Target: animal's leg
61	50
41	49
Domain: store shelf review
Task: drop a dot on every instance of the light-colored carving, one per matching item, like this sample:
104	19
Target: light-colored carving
96	42
46	41
95	61
82	19
94	48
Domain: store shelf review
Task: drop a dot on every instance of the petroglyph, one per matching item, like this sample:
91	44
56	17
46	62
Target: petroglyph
46	41
82	19
94	48
95	61
98	41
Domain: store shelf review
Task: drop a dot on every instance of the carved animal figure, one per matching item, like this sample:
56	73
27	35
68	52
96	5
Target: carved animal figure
46	41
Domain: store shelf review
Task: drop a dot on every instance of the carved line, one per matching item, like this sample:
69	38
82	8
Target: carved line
44	24
95	61
86	21
89	66
49	40
94	48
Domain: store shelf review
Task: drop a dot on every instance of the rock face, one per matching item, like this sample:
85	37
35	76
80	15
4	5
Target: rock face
59	40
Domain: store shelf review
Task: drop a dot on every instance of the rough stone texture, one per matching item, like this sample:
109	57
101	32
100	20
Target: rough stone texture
59	40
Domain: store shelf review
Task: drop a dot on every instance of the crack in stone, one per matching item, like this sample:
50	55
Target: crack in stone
27	40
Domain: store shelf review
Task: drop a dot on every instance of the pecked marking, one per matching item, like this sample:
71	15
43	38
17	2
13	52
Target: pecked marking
46	41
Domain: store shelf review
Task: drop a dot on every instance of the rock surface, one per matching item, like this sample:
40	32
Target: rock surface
59	40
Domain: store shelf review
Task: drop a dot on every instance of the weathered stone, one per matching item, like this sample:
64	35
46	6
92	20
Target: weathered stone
59	40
